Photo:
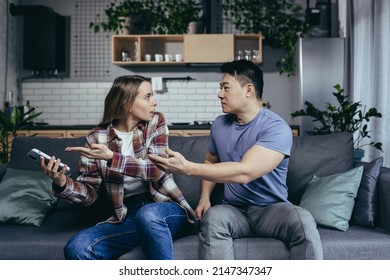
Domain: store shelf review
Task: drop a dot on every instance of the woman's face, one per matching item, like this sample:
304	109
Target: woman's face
144	104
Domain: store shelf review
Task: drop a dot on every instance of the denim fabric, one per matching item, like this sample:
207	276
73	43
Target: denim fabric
154	225
284	221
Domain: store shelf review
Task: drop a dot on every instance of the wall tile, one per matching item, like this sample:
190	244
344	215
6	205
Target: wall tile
82	102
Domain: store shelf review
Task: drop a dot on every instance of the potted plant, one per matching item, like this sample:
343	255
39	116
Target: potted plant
345	117
279	21
10	125
173	16
162	16
120	16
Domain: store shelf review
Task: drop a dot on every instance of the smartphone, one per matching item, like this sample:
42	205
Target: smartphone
35	155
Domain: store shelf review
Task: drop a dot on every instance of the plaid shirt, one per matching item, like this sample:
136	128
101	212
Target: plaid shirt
149	137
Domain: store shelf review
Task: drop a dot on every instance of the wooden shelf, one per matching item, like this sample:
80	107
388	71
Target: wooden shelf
196	48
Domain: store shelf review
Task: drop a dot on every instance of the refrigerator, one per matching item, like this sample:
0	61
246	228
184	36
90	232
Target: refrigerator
320	66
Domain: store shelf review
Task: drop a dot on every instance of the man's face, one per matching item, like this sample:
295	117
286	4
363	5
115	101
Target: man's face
232	95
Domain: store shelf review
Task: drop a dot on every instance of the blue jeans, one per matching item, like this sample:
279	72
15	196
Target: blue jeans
154	225
284	221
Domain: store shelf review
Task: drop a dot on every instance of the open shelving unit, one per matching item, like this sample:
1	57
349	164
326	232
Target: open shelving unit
196	48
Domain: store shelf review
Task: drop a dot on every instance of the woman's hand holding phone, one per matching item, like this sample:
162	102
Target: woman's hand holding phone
51	166
53	170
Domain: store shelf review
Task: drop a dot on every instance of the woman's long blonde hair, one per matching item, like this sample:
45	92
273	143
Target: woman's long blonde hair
120	98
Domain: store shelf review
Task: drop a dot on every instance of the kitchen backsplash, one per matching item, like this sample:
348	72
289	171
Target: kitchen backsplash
78	103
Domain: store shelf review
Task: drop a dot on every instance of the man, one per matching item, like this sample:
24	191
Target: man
249	151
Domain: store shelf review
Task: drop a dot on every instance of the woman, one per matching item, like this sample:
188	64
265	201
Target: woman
114	157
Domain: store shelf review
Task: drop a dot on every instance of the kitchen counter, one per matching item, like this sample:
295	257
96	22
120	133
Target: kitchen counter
82	130
90	126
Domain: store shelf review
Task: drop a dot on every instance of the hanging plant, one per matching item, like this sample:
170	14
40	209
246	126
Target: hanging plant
280	22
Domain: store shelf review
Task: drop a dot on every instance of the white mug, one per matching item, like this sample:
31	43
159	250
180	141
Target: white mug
178	57
158	57
148	57
168	57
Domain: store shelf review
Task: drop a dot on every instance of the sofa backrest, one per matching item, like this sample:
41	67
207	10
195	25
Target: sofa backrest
310	155
319	155
51	146
193	148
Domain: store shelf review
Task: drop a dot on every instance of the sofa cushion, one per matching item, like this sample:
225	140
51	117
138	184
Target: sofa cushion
25	197
51	146
330	199
383	219
364	212
357	243
319	155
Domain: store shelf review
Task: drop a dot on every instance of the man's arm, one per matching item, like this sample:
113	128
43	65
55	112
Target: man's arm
256	162
207	188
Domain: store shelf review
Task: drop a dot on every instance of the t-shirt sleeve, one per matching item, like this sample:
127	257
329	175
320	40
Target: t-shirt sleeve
277	137
212	146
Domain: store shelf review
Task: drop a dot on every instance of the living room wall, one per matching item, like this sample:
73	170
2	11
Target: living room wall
279	91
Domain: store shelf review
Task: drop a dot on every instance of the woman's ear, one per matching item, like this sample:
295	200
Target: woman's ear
129	109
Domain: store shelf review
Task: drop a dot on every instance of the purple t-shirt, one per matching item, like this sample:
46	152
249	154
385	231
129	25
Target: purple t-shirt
230	141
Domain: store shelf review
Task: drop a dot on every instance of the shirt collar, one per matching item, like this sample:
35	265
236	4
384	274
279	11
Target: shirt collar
111	131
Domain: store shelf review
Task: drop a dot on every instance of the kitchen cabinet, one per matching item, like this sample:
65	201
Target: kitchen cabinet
189	132
48	133
74	133
194	48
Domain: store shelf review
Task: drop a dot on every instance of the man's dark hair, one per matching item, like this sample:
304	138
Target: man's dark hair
245	72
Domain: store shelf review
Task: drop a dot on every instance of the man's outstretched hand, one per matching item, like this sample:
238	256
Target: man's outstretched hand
175	163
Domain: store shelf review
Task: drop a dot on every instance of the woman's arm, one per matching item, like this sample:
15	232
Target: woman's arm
153	140
84	189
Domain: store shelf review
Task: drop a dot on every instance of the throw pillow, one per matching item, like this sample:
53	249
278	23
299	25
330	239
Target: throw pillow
25	197
331	199
365	205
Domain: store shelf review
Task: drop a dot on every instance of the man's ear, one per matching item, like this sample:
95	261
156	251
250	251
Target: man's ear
250	90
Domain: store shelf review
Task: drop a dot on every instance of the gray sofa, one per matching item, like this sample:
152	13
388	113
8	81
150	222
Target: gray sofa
319	155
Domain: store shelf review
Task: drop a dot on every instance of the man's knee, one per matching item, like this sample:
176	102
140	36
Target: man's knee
295	215
215	215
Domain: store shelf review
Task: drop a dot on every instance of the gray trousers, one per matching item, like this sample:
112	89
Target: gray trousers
284	221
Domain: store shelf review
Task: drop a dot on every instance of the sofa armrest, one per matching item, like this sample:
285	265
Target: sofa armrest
3	168
384	199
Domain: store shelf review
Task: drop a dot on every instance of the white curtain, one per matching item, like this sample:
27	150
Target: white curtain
369	42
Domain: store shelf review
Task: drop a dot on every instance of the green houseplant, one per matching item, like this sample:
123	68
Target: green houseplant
117	15
279	21
173	16
161	16
345	117
9	127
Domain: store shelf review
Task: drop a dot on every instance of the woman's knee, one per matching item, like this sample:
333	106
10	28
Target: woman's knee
148	215
76	248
